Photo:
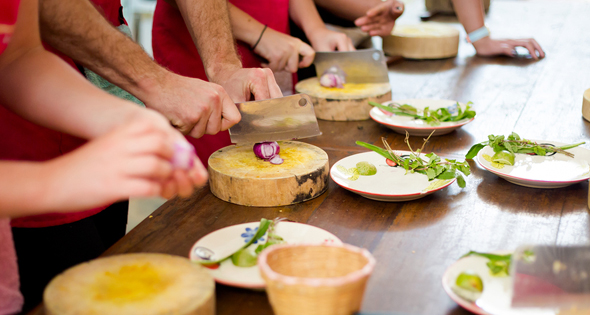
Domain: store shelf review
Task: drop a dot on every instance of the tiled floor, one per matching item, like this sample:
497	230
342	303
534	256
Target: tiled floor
140	208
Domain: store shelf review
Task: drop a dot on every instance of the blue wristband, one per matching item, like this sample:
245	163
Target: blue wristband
478	34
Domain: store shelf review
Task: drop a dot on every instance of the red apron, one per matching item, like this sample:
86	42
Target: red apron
23	140
174	49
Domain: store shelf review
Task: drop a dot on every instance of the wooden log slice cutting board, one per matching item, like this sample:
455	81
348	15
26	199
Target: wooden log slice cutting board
146	284
422	41
586	105
236	175
349	103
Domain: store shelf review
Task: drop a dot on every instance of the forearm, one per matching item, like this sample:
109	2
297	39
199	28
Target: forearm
23	188
470	13
77	29
209	26
348	9
33	86
244	27
305	15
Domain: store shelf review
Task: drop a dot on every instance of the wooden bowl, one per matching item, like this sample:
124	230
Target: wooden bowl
315	279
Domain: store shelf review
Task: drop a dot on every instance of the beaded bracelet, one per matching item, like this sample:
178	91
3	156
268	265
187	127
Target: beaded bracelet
260	37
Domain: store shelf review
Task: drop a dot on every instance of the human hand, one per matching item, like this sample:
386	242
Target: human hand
323	39
282	51
487	47
243	83
195	107
130	161
379	20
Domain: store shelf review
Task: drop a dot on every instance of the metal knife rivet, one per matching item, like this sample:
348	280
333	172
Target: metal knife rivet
376	56
302	102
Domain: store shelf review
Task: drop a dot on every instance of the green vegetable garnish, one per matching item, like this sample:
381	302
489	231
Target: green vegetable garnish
514	144
244	258
434	168
432	117
499	265
470	282
366	168
362	168
264	225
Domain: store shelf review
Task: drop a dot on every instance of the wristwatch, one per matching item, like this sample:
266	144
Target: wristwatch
478	34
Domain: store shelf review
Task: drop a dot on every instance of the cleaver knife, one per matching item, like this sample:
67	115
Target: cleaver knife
556	277
360	66
283	118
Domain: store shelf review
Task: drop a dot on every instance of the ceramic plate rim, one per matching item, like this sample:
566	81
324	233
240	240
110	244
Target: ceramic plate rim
457	125
242	285
526	179
387	195
470	306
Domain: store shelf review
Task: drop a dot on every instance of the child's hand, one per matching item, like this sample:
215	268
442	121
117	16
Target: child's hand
323	39
488	47
379	21
130	161
282	51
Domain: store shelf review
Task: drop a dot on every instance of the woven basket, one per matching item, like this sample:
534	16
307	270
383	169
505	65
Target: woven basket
315	279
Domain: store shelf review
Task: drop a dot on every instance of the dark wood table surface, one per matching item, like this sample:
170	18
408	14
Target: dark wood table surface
414	242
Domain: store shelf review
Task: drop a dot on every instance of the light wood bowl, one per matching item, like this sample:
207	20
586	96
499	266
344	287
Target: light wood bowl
315	279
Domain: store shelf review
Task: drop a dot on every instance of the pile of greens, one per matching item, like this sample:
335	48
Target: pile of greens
247	257
499	265
506	148
433	117
434	168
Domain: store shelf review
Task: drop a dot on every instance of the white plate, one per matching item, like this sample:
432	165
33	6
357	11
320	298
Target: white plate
418	127
536	171
389	184
497	292
225	241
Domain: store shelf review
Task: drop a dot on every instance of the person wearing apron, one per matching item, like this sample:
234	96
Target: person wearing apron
260	27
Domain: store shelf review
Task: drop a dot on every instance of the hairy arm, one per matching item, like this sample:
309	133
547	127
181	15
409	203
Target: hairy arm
77	29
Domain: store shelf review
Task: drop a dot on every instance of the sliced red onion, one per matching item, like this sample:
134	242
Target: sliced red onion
332	80
268	151
184	155
276	160
333	77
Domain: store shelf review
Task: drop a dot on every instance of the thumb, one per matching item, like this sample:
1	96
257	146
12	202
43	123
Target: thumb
307	53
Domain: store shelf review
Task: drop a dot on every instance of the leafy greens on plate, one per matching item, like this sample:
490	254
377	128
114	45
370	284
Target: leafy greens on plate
505	148
431	116
435	167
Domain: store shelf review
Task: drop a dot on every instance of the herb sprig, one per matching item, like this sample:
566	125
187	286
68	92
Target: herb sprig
514	144
499	265
434	168
432	116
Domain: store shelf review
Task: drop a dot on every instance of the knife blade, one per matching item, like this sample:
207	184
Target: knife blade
284	118
360	66
547	276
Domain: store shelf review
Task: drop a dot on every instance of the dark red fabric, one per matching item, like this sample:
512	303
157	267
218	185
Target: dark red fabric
23	140
174	49
8	15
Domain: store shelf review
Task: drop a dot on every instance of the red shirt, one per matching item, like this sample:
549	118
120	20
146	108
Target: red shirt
23	140
174	49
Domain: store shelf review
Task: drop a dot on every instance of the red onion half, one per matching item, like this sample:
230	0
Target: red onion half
268	151
333	77
184	155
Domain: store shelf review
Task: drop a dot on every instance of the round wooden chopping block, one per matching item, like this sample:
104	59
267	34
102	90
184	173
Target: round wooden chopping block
145	284
422	41
349	103
236	175
586	105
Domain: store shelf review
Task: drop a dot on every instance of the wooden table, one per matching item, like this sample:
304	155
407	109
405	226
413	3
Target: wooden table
415	241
